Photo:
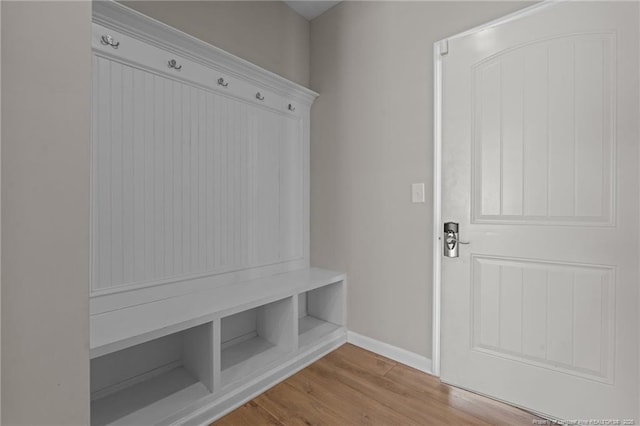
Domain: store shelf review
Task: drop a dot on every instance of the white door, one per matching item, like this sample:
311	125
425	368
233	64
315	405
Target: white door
540	169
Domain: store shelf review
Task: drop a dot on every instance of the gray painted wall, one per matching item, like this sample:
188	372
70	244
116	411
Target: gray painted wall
46	114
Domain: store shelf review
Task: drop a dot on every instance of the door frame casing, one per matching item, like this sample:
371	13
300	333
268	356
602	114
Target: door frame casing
439	47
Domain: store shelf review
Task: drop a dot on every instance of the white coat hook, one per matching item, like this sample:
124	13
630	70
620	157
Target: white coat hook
107	40
173	64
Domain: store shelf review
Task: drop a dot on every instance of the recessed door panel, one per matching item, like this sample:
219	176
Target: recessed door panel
543	137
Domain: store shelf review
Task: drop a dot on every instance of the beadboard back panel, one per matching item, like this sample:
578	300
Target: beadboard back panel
189	181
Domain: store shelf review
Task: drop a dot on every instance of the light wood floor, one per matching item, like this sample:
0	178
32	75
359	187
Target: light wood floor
351	386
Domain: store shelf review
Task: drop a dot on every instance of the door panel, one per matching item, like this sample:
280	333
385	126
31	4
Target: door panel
553	315
543	132
540	169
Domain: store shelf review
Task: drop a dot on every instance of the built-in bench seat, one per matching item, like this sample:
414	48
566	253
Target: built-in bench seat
201	353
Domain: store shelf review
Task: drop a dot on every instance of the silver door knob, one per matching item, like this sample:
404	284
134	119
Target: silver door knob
451	240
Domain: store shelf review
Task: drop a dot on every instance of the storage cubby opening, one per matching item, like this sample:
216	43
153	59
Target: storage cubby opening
255	338
141	382
320	312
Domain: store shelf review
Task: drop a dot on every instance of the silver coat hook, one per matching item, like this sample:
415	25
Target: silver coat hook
259	97
222	83
173	64
291	108
107	40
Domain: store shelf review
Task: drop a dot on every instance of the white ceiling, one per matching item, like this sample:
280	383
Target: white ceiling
311	9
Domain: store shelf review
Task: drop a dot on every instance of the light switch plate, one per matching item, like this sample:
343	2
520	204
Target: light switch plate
417	193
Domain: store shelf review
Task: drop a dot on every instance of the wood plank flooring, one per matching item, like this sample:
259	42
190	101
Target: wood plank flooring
352	386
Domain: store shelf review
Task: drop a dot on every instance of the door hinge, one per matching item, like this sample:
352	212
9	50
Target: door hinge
443	47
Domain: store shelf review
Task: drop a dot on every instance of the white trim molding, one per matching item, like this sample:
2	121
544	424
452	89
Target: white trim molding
395	353
437	200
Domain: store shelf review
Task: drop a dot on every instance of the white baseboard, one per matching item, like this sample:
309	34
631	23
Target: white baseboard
395	353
